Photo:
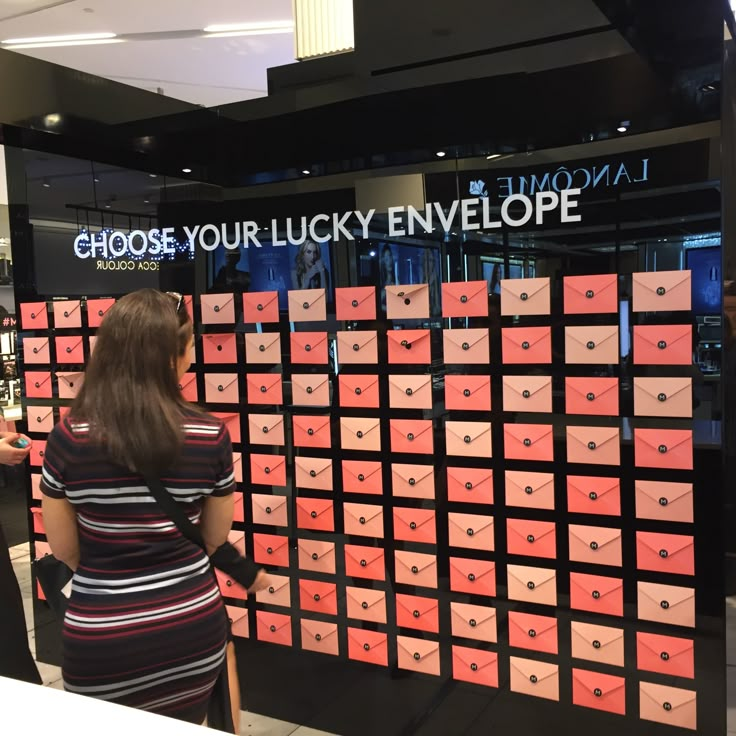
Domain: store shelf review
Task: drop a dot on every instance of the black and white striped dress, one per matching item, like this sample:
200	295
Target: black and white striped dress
146	625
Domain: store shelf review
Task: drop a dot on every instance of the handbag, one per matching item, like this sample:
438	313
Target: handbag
53	576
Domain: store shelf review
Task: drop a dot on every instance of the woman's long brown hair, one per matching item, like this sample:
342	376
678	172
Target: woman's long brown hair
130	395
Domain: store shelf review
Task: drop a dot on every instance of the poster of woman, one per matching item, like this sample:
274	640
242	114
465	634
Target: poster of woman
310	270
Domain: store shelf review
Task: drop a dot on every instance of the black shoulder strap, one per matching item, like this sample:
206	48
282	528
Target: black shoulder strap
175	511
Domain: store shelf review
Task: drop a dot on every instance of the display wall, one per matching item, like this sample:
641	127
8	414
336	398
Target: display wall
479	465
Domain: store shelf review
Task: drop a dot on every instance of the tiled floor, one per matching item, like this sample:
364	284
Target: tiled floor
251	723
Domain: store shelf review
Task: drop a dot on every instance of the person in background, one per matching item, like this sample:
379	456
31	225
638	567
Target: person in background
387	271
310	271
146	625
16	660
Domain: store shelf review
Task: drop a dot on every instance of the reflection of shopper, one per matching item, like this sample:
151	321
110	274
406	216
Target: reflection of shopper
310	271
230	277
430	262
388	266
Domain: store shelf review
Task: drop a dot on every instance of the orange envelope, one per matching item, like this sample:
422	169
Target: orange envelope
38	384
669	553
222	388
525	296
362	476
596	545
274	628
315	556
593	396
663	345
238	618
407	302
307	305
591	294
468	393
476	577
69	384
69	349
360	433
365	562
364	520
468	439
92	341
36	350
264	388
309	347
666	655
97	309
473	622
594	345
358	391
38	450
319	636
590	494
355	303
471	531
465	299
218	309
415	568
357	347
540	679
475	665
40	418
278	592
218	348
672	706
466	347
368	646
529	631
366	604
37	513
261	306
271	549
314	473
412	481
532	538
270	510
266	429
312	431
597	594
532	585
316	514
527	393
409	392
36	493
415	525
418	655
470	485
409	347
529	490
656	499
593	445
263	347
33	316
318	597
669	449
526	345
602	644
268	470
188	387
662	291
238	510
599	691
310	389
229	588
232	424
415	612
67	314
412	436
663	397
528	442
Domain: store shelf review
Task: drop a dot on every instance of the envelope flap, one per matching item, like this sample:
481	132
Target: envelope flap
42	412
415	559
270	541
272	621
473	384
267	421
466	339
314	465
467	289
598	435
407	337
314	423
670	439
529	335
359	382
598	386
477	568
669	544
72	342
409	473
268	461
598	683
68	307
413	603
187	379
530	384
662	491
533	670
663	389
221	379
600	536
596	284
236	614
262	298
314	506
529	528
593	484
365	595
360	426
417	427
524	289
669	334
217	300
367	639
407	290
655	280
533	432
310	380
462	475
474	523
539	624
532	577
69	377
410	384
355	293
597	636
357	469
661	694
39	343
313	547
358	554
316	589
596	335
596	583
364	511
531	483
39	378
414	518
319	630
302	339
265	339
418	648
473	430
305	298
359	338
220	338
265	501
467	612
672	645
475	658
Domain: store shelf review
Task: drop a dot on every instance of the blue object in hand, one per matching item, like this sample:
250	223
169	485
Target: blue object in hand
20	443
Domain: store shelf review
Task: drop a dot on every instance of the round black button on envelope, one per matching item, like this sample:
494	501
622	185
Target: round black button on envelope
305	305
268	509
662	397
530	538
269	550
667	706
471	577
473	623
533	679
526	394
664	554
591	445
262	348
469	532
663	501
415	614
359	435
229	584
35	350
220	388
528	490
527	442
267	471
259	307
664	656
410	436
68	350
318	637
308	348
414	569
367	647
361	477
217	308
532	633
316	597
37	384
474	667
413	525
417	656
664	605
364	605
661	291
523	296
593	496
263	389
597	692
594	546
363	563
468	486
596	644
590	345
412	481
310	432
525	345
315	556
466	393
463	299
661	344
309	389
358	391
407	302
219	348
271	589
590	397
589	294
531	585
354	302
596	594
466	346
409	392
467	440
356	347
265	430
313	473
362	520
400	294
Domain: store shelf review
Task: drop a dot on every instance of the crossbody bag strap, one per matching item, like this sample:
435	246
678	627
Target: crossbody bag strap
175	511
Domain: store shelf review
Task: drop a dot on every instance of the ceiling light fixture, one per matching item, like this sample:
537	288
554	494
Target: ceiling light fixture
306	172
441	154
46	183
42	42
491	156
187	171
623	127
224	30
153	176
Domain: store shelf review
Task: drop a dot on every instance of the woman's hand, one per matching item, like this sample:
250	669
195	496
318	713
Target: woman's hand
260	583
10	455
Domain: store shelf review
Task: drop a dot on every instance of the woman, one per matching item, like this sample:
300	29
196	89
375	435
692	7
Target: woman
387	270
146	625
309	268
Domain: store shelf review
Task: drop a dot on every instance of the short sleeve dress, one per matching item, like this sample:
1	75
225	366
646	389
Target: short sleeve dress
146	625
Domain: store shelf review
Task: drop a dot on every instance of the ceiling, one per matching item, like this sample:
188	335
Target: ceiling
167	52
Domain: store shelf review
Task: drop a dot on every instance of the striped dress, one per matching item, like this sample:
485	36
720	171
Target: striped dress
146	625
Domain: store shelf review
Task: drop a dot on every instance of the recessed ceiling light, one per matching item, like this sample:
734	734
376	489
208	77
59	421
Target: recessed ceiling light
153	176
623	126
372	254
306	172
441	154
107	206
79	39
46	183
97	180
491	156
146	201
187	171
224	30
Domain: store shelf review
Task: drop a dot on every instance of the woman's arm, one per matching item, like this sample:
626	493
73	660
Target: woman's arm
60	521
216	521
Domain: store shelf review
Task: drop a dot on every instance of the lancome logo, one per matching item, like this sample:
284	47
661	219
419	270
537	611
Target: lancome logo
566	177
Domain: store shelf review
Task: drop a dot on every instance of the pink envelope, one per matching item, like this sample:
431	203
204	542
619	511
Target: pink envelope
470	485
238	618
218	309
278	592
666	655
412	436
36	493
417	612
271	550
530	631
40	418
355	303
307	305
594	345
601	644
415	525
466	347
368	646
523	345
476	666
264	388
408	347
528	442
36	350
188	387
468	439
526	489
669	449
363	520
312	431
471	531
532	538
261	306
268	470
316	556
229	587
274	628
38	384
413	481
418	655
316	514
407	302
468	393
270	510
672	706
590	494
662	291
473	622
667	553
366	604
525	296
359	391
33	316
69	350
357	347
591	294
539	679
596	594
221	388
532	585
309	348
313	472
219	348
365	562
465	299
360	433
69	384
362	476
310	389
527	393
264	429
593	445
663	344
38	451
319	636
97	309
409	392
238	510
68	314
663	397
595	545
599	691
594	396
416	568
263	348
475	577
661	500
